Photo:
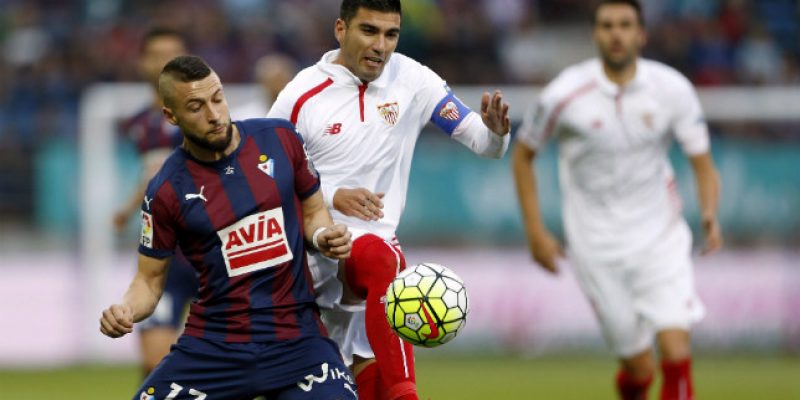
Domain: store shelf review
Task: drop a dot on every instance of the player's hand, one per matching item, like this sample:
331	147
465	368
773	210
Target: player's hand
713	235
546	249
494	113
335	242
120	220
117	321
359	203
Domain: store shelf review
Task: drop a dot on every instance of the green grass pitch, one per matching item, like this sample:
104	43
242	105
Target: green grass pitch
450	377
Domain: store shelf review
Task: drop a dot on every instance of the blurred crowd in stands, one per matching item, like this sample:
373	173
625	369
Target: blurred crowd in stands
53	49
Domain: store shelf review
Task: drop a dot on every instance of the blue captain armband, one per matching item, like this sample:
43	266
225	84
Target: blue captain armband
449	113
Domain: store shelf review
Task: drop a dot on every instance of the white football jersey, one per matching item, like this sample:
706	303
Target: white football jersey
617	183
363	135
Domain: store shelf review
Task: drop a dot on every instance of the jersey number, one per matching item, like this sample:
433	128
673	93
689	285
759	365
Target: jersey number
177	389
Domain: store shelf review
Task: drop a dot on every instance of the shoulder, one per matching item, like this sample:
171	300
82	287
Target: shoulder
662	77
169	172
407	71
575	78
306	81
269	129
255	125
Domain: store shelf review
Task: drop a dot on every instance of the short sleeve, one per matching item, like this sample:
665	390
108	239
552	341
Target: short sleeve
689	123
539	122
158	239
306	177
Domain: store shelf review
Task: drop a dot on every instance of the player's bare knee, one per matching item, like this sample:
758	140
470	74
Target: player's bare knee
639	366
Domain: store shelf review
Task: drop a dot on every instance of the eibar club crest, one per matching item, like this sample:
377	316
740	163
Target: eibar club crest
390	112
267	165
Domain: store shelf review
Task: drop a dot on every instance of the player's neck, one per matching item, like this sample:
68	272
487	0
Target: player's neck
620	76
206	155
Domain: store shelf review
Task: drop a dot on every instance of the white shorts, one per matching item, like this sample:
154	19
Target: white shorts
345	322
643	294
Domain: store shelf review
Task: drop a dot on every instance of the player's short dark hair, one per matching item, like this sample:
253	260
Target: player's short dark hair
160	32
349	8
187	69
633	3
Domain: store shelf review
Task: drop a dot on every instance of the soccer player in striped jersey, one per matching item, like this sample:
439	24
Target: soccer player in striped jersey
240	199
615	118
360	110
155	139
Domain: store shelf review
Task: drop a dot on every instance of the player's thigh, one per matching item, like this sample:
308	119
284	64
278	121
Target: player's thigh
665	287
155	344
612	299
197	369
348	330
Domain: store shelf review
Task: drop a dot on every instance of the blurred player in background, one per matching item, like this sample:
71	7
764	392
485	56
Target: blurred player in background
155	139
271	72
360	110
615	118
240	200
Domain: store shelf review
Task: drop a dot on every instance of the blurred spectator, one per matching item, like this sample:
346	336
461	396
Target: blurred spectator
52	50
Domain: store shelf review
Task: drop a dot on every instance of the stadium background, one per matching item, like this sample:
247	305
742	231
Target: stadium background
529	334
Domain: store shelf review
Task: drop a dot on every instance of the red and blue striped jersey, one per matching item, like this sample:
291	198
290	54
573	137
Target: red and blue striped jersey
238	220
149	130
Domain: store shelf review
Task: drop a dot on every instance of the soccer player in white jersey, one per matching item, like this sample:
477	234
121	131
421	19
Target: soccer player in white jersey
614	119
360	110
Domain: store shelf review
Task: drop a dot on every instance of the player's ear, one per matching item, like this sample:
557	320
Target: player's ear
169	115
339	29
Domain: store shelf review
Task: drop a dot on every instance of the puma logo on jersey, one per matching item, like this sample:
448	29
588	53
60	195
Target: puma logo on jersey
334	129
192	196
255	242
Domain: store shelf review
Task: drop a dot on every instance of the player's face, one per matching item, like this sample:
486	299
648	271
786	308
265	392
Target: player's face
367	41
157	53
618	35
200	109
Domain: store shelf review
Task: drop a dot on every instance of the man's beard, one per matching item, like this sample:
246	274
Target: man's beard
206	144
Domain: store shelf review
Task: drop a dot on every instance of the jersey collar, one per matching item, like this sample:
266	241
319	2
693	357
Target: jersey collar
611	88
342	75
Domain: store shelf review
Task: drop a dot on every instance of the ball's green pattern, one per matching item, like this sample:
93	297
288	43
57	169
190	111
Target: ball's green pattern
427	304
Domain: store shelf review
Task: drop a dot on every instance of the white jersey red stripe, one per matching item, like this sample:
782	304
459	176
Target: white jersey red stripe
613	144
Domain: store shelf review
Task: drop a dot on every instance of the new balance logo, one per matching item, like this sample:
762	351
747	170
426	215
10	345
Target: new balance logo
334	129
192	196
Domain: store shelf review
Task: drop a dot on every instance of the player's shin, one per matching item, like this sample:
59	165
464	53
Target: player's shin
677	384
630	388
371	267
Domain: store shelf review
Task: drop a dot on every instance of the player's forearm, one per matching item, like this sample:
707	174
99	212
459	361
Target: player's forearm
315	215
527	194
708	185
474	134
147	287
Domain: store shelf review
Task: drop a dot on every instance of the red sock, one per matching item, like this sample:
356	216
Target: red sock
372	265
630	388
677	383
368	382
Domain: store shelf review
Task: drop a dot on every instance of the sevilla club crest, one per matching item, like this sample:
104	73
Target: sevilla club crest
390	112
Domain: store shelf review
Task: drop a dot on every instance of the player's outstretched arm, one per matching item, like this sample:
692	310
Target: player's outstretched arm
708	188
139	301
331	240
544	247
486	136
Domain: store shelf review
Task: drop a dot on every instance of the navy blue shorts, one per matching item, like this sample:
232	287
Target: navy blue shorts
199	369
179	290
